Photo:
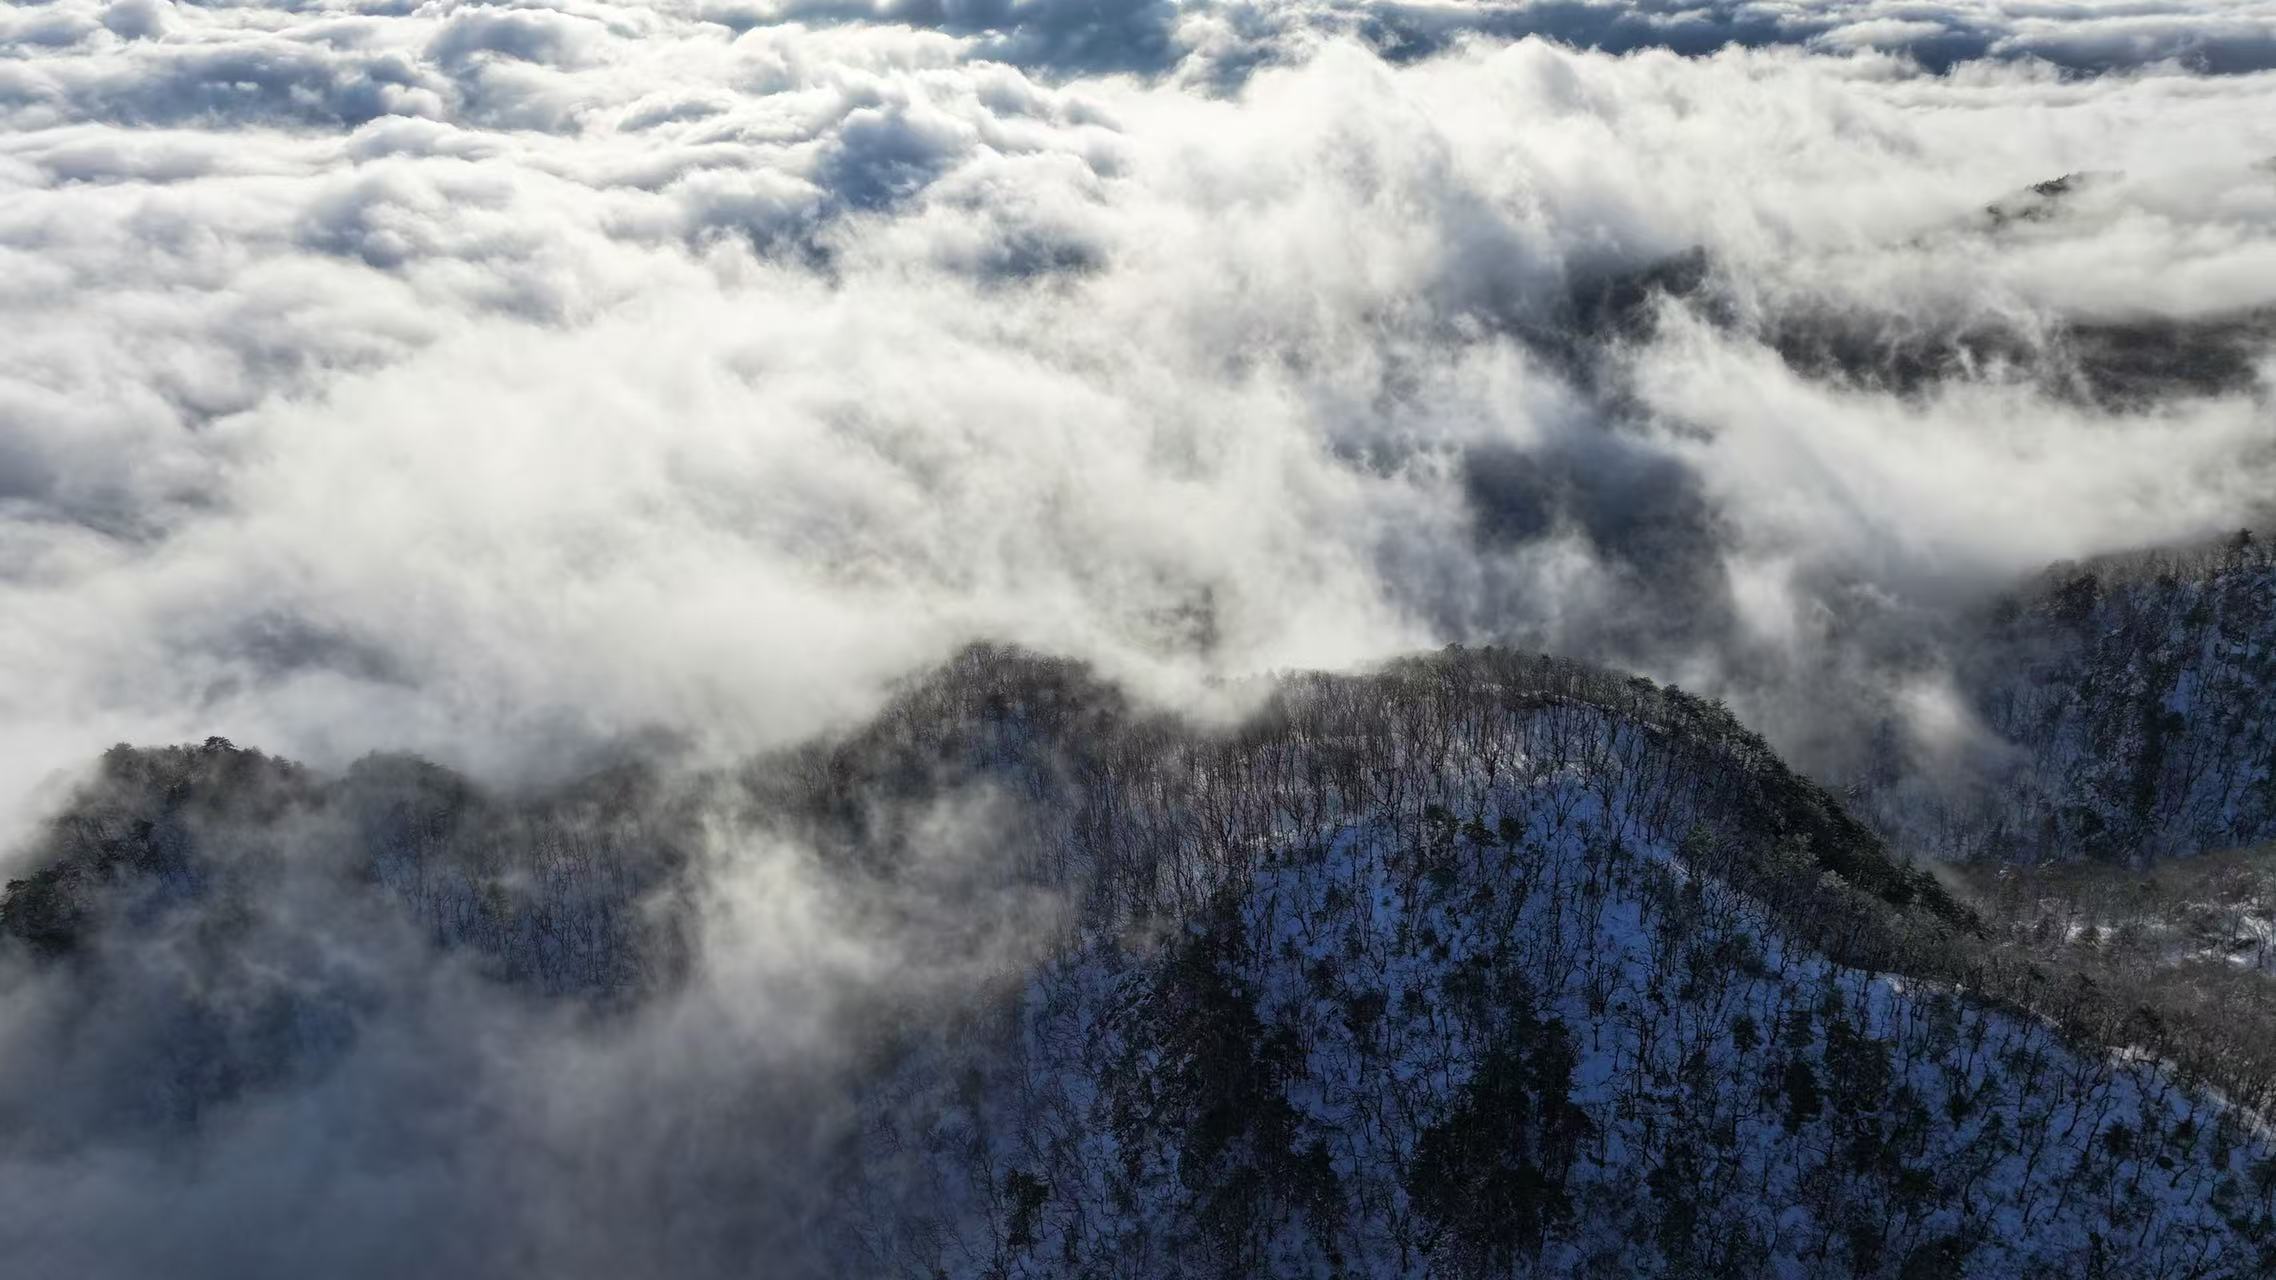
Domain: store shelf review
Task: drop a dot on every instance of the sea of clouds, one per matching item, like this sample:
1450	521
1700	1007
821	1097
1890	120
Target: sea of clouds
512	384
506	382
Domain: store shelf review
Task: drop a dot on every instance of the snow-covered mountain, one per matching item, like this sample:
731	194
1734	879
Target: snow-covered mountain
1484	964
2131	700
1542	986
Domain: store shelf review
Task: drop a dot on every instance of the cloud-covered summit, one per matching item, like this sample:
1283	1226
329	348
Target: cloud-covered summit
503	382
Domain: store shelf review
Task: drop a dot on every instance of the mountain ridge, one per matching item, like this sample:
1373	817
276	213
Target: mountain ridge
1620	897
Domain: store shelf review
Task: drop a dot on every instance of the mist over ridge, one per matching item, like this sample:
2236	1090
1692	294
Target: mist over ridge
792	638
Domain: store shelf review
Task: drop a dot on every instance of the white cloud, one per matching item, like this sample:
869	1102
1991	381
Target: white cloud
505	383
498	381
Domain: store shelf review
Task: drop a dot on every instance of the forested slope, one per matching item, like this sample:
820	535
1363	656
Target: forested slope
1486	963
2136	699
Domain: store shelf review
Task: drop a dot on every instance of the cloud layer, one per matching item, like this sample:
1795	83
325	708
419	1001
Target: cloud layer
281	1067
507	382
528	385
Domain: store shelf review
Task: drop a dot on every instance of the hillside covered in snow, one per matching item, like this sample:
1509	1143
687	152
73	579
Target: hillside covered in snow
1484	964
2127	701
